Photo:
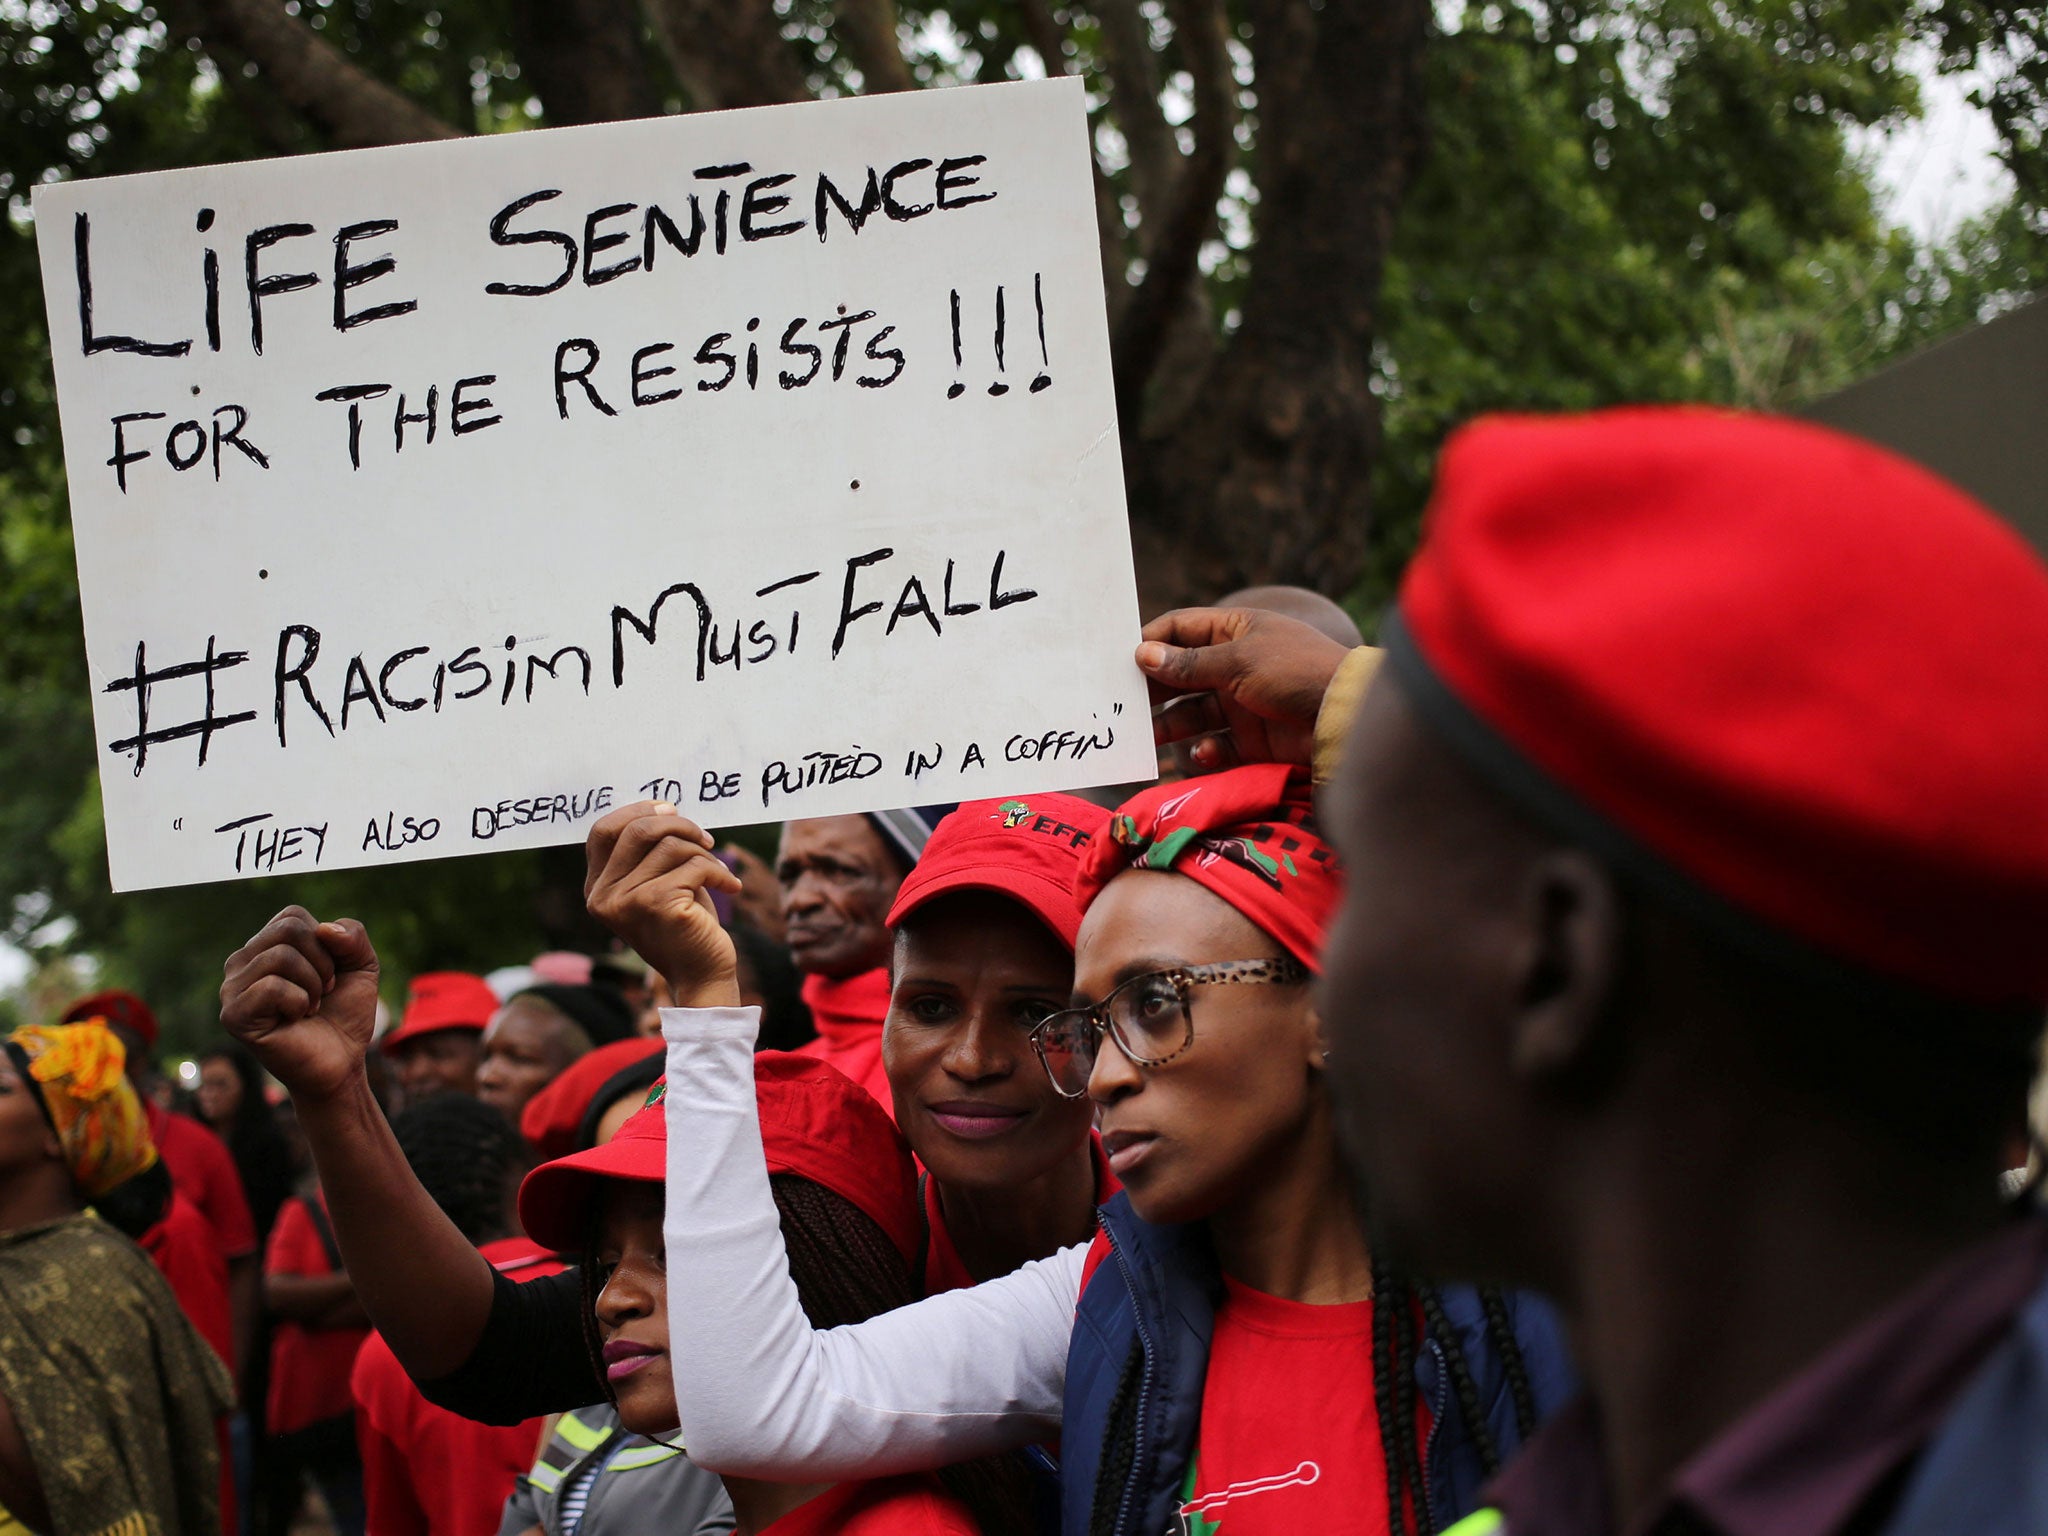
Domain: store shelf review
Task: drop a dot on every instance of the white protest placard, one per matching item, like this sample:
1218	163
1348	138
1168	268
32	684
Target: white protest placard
436	499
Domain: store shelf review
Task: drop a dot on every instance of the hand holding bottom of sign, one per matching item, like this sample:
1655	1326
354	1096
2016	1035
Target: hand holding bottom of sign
1256	675
650	878
302	996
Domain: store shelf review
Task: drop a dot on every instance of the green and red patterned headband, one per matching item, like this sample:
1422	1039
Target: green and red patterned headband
1248	836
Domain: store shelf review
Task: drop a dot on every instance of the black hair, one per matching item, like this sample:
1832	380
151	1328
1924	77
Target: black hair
254	1139
847	1270
635	1078
601	1012
785	1017
467	1155
136	1204
1396	1344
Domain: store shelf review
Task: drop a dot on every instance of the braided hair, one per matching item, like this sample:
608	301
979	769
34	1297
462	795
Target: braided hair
468	1157
1396	1343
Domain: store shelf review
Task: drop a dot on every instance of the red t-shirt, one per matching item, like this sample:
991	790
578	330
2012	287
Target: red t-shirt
849	1014
186	1253
203	1171
1272	1458
889	1506
943	1270
309	1367
427	1472
184	1250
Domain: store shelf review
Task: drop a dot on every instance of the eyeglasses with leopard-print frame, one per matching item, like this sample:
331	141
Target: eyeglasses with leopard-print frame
1148	1017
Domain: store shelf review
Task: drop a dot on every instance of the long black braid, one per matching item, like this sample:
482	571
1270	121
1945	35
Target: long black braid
468	1157
1461	1380
1387	1367
1407	1346
1502	1333
1395	1345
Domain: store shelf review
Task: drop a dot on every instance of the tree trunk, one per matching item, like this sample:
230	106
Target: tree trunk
728	53
311	76
585	59
1266	476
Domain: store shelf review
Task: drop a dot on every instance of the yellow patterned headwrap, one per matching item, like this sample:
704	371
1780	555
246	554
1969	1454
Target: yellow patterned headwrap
79	1070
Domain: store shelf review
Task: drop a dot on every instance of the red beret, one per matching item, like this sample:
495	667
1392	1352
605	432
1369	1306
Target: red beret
554	1119
816	1123
443	1000
1026	849
1792	673
123	1010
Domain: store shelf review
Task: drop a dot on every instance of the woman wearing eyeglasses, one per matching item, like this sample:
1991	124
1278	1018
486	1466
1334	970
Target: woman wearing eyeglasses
983	936
1226	1355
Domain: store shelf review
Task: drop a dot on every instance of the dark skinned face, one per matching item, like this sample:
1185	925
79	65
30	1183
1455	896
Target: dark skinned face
974	972
220	1091
528	1046
441	1061
1193	1135
632	1306
26	1140
838	878
1418	998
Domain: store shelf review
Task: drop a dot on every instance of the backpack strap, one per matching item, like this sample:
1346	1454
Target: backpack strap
324	1229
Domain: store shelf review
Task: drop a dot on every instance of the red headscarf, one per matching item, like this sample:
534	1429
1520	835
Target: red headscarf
1247	835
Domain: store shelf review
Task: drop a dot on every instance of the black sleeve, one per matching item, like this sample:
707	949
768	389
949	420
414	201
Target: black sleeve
530	1360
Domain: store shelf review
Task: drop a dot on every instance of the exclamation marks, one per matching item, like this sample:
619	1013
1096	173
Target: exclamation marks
958	389
1040	381
1044	379
999	387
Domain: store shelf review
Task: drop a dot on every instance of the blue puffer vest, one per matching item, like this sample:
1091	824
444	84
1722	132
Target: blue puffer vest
1158	1291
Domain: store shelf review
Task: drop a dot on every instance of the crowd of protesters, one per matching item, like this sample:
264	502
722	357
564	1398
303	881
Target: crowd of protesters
1560	1071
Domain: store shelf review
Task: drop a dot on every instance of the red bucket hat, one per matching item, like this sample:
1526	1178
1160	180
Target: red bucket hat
443	1000
816	1123
1793	681
1026	849
123	1010
1248	834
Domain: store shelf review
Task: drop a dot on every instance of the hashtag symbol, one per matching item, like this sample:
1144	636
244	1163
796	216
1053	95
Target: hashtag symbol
142	680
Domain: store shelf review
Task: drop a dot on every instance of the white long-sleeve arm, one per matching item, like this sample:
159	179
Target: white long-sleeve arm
759	1392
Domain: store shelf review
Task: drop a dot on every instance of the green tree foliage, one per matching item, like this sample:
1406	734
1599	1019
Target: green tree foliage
1660	202
1620	200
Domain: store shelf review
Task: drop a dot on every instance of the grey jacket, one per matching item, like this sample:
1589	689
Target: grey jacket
642	1485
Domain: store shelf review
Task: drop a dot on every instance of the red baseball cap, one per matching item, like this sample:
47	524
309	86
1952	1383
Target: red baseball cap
816	1123
1793	681
123	1010
554	1118
443	1000
1029	849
